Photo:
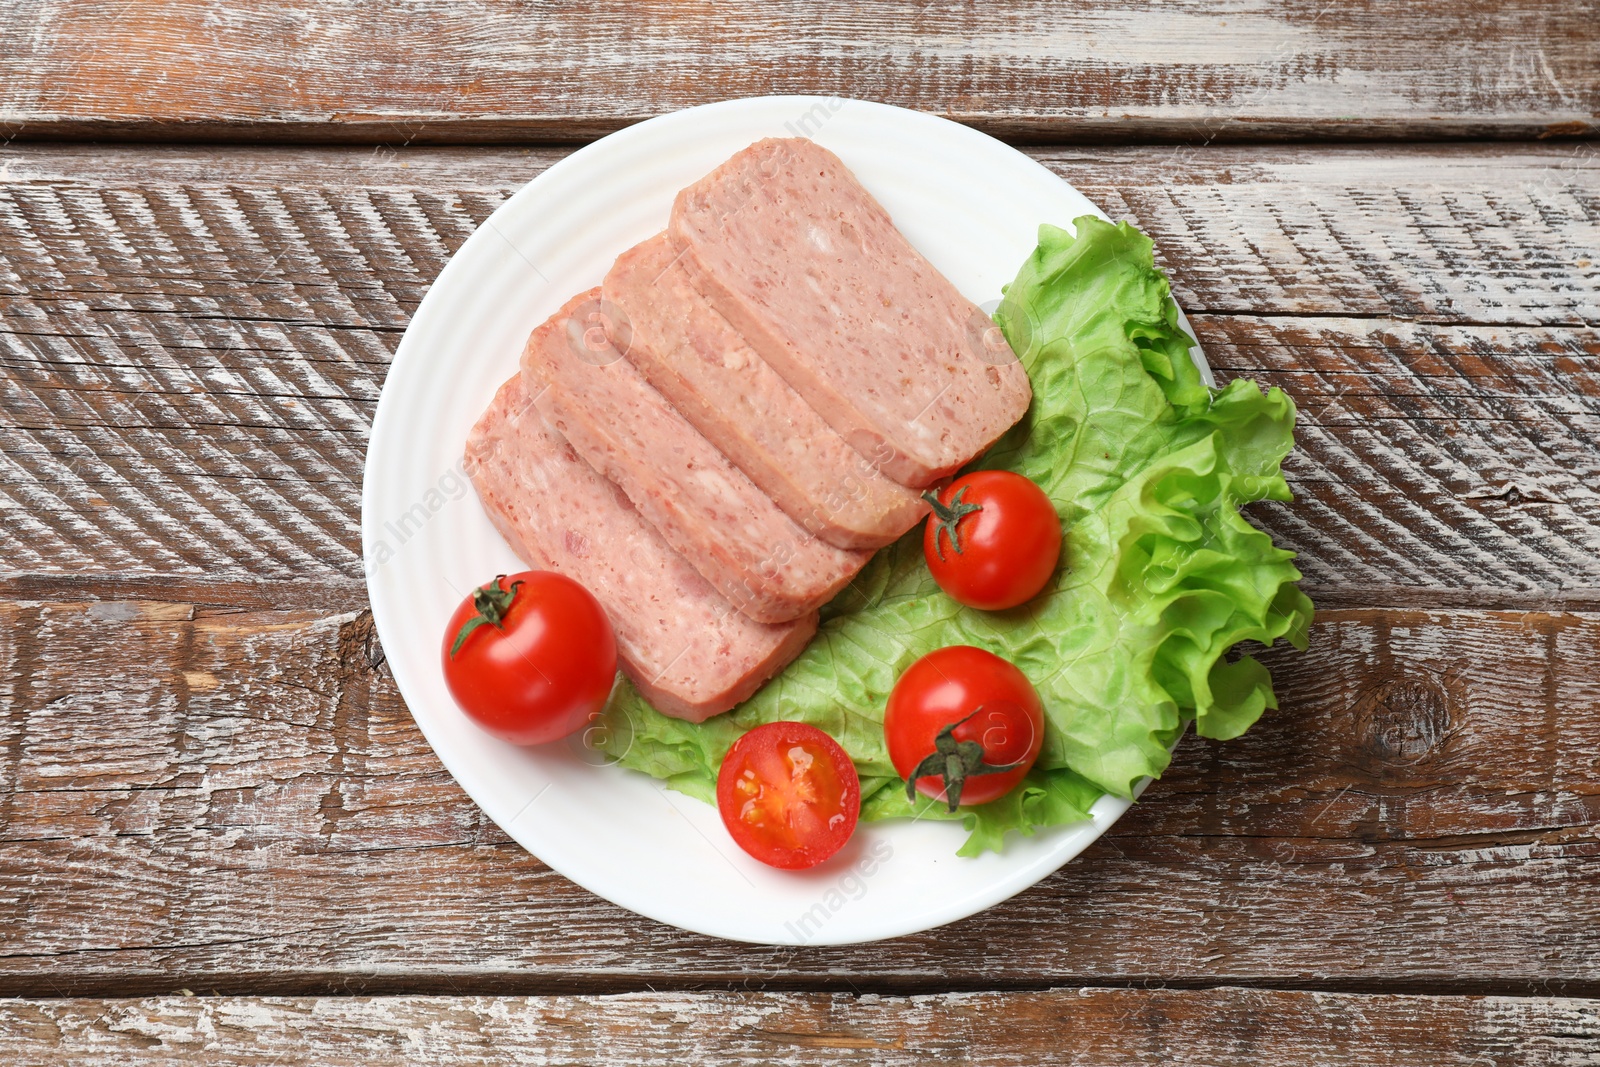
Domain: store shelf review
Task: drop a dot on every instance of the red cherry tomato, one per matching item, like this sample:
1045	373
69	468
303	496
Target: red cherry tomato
993	539
788	794
530	658
948	702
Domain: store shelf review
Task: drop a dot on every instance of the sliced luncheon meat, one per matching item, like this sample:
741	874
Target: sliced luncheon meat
689	652
700	503
694	358
811	270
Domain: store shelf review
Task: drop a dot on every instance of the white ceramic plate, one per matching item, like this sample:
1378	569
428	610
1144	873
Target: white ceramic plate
972	205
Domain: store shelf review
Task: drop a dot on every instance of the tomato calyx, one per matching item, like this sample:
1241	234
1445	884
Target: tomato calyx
491	603
949	516
954	762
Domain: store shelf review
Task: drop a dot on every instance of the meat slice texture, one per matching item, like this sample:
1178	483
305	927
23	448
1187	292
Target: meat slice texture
685	647
699	362
700	503
810	269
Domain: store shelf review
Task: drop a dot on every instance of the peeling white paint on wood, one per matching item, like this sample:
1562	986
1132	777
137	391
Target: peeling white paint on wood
1126	1027
477	70
1420	810
194	340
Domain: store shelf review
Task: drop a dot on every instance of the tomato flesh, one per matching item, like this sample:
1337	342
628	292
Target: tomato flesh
948	685
788	794
544	671
1009	546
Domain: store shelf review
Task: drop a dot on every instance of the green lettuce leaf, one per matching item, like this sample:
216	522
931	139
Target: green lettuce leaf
1161	575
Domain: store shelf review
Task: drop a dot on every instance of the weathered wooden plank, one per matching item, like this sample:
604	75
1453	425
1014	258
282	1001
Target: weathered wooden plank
1090	1026
237	801
1431	457
446	70
1445	456
193	342
1433	236
1456	233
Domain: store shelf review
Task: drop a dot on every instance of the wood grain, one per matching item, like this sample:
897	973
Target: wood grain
208	780
1121	1027
193	342
1460	458
445	70
238	801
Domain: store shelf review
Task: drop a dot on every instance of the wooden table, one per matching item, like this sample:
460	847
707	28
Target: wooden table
226	842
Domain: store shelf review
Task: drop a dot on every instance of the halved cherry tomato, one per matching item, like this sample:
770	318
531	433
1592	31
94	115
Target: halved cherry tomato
963	725
788	794
530	658
993	539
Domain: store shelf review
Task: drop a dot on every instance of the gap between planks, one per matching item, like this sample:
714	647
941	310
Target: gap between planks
443	982
344	595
